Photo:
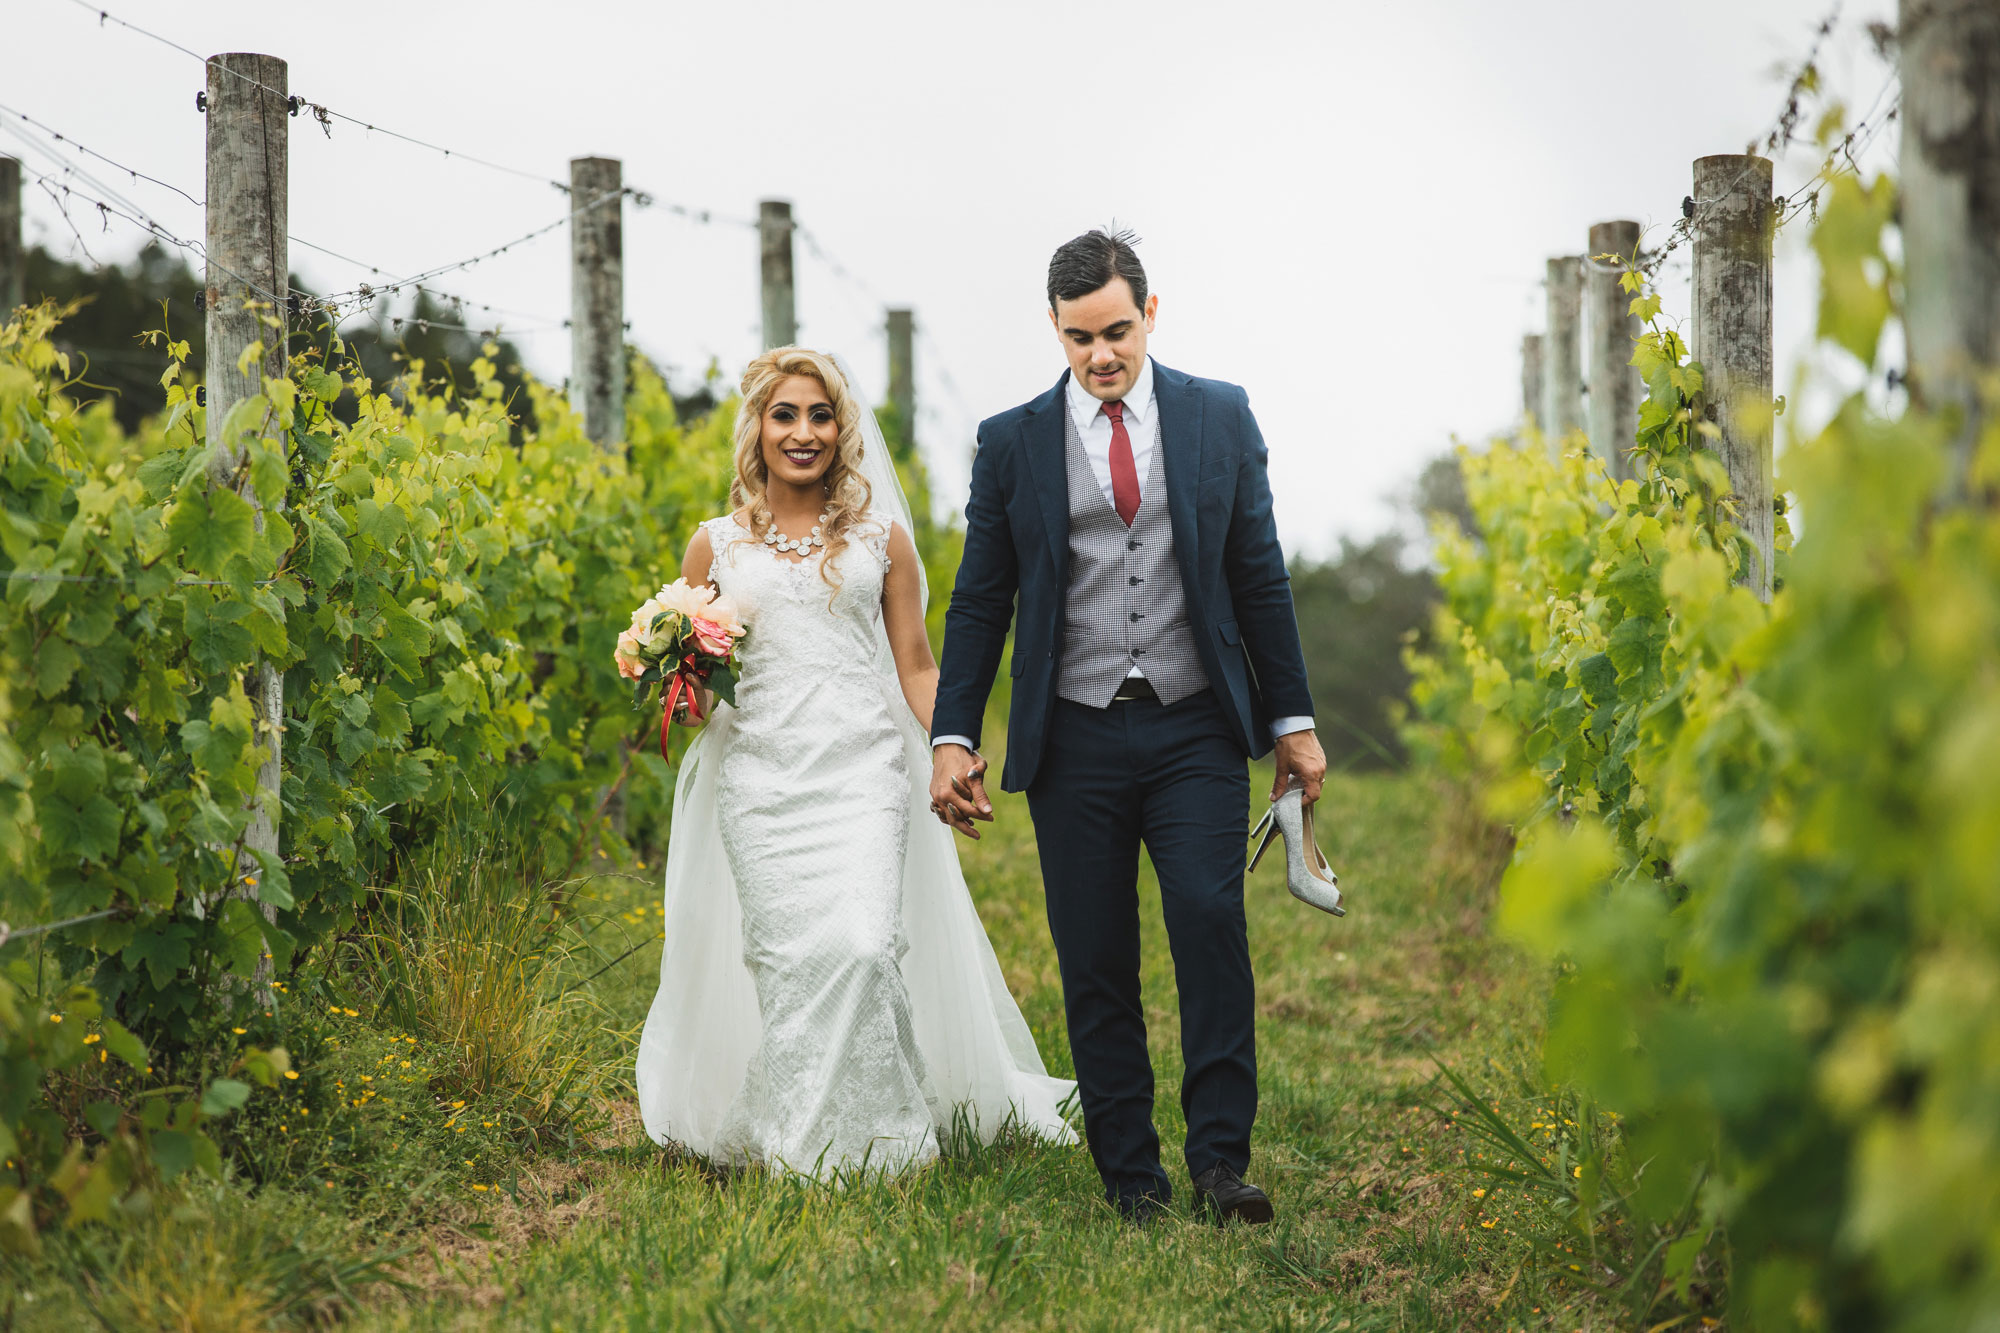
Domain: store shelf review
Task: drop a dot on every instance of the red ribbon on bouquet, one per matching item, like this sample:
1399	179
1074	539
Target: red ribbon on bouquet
684	686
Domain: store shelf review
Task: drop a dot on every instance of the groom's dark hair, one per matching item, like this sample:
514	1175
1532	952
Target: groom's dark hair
1079	267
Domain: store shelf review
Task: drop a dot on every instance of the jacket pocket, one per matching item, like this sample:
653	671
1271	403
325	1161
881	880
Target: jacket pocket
1014	666
1230	635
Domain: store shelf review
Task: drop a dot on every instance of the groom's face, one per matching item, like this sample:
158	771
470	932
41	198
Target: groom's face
1104	337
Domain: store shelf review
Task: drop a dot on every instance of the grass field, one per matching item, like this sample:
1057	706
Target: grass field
1378	1224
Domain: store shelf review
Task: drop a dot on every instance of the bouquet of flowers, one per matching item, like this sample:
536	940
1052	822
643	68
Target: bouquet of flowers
683	638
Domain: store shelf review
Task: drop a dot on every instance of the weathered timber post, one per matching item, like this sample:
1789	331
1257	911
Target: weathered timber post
1531	377
1951	209
597	297
1614	381
902	371
248	287
774	232
1733	223
13	274
1562	351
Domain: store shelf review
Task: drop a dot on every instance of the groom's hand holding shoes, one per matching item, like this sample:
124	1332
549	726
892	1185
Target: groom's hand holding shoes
1298	756
958	788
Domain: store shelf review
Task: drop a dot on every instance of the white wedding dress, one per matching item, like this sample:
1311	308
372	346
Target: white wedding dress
829	1002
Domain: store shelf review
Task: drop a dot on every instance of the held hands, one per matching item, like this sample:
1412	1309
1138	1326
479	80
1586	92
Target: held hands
1298	755
958	788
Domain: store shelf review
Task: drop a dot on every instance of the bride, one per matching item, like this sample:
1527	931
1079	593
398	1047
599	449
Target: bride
828	999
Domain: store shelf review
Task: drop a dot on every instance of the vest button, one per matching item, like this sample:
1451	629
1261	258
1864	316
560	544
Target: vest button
1134	580
1135	616
1131	546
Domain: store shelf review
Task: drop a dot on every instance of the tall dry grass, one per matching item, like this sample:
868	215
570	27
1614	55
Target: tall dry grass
472	958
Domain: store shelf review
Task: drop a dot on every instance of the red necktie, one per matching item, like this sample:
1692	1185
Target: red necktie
1124	472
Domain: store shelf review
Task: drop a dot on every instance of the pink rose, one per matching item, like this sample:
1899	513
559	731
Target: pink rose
712	638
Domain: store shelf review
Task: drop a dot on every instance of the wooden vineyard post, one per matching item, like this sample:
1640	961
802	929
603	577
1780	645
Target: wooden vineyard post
902	371
246	300
1562	351
597	297
13	275
1531	377
1733	222
1951	211
774	232
1614	381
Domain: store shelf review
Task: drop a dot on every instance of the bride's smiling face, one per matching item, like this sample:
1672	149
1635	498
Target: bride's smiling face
800	432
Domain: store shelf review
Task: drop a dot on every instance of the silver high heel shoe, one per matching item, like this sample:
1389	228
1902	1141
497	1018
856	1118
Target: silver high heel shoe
1307	874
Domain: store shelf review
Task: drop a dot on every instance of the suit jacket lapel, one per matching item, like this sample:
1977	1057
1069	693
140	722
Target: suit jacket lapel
1180	445
1042	436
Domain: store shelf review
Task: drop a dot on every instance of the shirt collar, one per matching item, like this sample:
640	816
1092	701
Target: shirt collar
1083	408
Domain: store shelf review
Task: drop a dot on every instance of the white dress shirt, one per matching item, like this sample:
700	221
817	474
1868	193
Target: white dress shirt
1093	427
1142	428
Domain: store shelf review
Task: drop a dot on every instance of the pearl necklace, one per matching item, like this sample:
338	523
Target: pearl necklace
778	541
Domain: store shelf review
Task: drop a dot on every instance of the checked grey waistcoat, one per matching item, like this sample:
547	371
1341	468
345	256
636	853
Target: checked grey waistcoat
1126	606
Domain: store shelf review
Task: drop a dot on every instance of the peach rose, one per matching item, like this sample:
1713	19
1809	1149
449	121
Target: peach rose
642	619
684	597
724	612
630	665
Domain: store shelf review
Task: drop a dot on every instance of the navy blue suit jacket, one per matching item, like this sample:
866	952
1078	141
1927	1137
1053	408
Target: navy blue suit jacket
1239	595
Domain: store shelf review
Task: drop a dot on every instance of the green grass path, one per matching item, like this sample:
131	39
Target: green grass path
1377	1224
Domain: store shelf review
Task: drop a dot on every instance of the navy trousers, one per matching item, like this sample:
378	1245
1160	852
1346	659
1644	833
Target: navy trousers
1172	777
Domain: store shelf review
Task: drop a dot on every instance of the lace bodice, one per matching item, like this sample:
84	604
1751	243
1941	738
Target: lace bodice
801	626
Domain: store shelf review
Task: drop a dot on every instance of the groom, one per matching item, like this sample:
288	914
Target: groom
1155	652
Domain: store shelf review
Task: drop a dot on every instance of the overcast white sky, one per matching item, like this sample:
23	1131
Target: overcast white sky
1345	206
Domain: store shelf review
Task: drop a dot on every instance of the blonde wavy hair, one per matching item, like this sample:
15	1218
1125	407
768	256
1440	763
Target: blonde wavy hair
847	491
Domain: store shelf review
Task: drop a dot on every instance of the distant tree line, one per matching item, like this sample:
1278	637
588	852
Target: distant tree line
117	304
1359	610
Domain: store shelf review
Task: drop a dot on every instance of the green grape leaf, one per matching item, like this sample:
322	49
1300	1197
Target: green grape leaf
223	1096
55	663
274	886
86	829
321	384
326	553
161	474
1599	677
124	1045
163	948
217	640
173	1152
207	1156
77	772
211	528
